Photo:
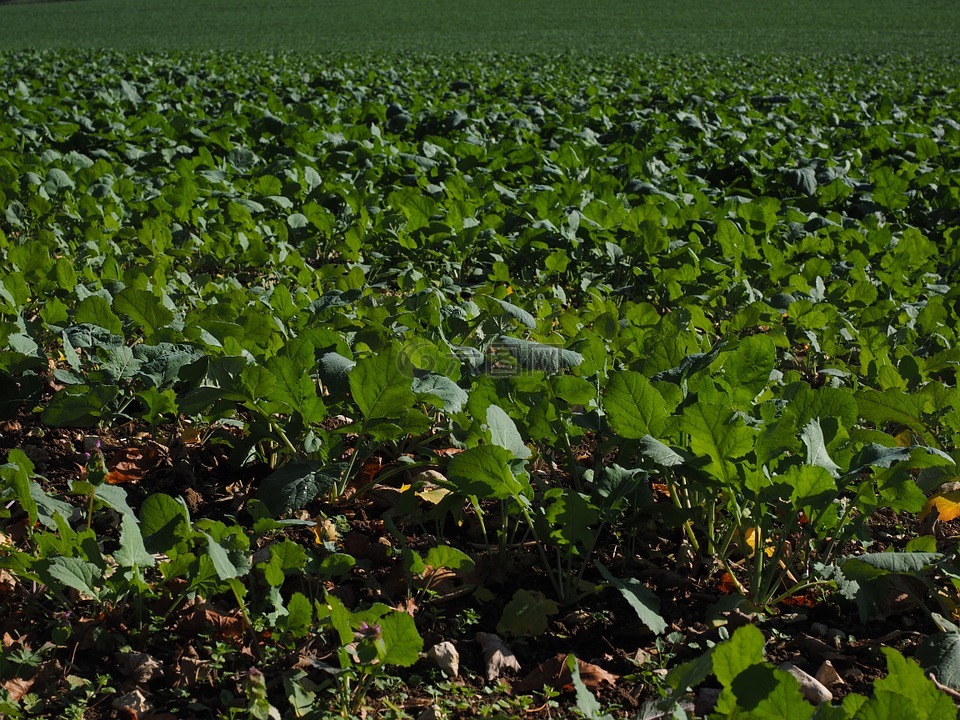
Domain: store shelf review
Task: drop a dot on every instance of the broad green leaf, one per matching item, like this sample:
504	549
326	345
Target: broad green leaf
812	436
17	472
72	572
451	396
715	432
897	406
79	405
484	472
299	617
741	651
536	356
163	523
940	654
513	311
132	552
400	638
225	565
526	614
570	517
643	601
870	565
906	687
658	452
295	485
504	433
746	371
769	694
444	556
144	308
634	407
575	390
380	387
97	311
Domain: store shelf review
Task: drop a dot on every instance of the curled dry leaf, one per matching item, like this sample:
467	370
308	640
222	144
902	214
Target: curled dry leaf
134	704
16	688
554	673
139	667
496	655
192	670
445	656
132	464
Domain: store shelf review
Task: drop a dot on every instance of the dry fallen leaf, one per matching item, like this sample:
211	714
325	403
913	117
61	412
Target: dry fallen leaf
133	703
445	656
554	673
132	464
496	655
139	667
17	687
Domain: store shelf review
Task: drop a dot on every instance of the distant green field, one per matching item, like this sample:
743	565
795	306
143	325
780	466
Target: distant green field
602	26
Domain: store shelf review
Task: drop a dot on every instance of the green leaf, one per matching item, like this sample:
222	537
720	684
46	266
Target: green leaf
132	552
484	472
299	618
286	557
742	650
897	406
571	518
906	680
746	370
144	308
380	387
526	614
870	565
644	603
18	473
661	454
163	522
97	311
535	356
587	703
295	485
812	436
517	313
444	556
803	180
451	396
400	638
767	693
940	654
716	433
504	433
227	564
634	407
79	405
73	573
575	390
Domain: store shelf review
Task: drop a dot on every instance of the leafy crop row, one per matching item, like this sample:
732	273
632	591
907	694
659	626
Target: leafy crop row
565	302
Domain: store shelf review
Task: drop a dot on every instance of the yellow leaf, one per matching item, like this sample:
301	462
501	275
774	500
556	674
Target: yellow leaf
433	496
325	530
946	504
750	537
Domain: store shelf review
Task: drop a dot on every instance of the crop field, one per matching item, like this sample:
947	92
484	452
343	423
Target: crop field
606	27
581	383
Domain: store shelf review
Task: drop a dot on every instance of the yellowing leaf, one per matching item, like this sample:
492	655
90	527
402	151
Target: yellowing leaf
434	496
946	504
750	538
